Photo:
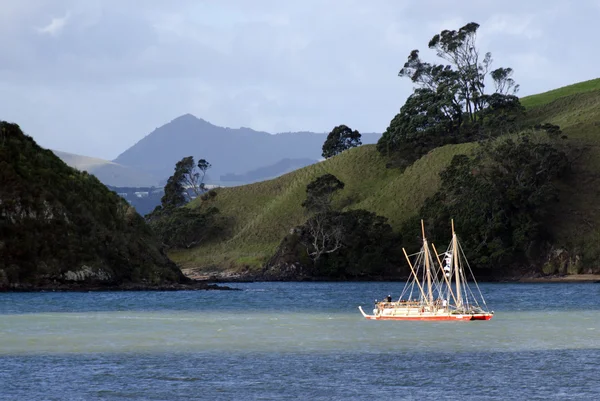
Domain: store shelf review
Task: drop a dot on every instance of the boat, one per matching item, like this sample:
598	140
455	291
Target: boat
437	288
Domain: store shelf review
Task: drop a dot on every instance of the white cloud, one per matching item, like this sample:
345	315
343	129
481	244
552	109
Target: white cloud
55	26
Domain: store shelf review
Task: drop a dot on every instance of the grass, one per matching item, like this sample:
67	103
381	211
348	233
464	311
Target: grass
262	213
547	97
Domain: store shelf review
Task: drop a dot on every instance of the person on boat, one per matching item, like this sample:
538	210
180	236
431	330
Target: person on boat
389	298
444	303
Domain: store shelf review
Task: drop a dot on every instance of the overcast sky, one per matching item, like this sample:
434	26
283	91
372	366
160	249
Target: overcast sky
95	76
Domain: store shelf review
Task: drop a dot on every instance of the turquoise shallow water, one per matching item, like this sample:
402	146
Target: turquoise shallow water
296	340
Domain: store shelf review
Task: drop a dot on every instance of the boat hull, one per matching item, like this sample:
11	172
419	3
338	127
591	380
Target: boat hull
427	316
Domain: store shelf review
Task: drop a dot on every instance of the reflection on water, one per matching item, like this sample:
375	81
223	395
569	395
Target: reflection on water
296	340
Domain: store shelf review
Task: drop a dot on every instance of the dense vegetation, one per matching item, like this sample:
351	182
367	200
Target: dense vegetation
180	227
501	196
334	243
58	224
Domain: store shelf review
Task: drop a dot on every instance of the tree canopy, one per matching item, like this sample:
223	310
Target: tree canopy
320	191
339	139
187	176
182	227
449	104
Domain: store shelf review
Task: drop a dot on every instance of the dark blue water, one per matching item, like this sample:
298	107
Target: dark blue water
296	341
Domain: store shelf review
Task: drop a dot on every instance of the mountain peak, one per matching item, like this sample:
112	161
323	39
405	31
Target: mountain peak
187	117
189	121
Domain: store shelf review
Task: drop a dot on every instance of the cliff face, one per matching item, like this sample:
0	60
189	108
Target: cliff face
59	226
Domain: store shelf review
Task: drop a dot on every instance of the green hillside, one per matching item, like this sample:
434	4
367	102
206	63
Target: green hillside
262	213
547	97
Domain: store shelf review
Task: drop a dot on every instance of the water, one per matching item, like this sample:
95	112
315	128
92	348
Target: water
296	341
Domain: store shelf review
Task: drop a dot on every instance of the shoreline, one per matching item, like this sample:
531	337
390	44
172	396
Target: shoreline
194	285
567	278
228	277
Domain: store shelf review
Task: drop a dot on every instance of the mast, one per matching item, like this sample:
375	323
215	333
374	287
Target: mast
456	268
427	267
414	273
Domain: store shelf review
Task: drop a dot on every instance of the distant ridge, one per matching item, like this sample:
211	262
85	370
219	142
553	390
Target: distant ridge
231	151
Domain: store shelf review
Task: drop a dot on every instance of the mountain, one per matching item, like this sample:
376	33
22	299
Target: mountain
268	172
232	152
263	213
62	227
109	173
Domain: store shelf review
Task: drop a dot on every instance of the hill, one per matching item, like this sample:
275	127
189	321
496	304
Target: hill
61	227
264	212
109	173
230	151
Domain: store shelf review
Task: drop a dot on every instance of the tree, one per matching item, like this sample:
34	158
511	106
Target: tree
182	227
319	193
193	175
339	139
449	104
186	228
369	247
323	230
427	120
174	196
323	234
186	176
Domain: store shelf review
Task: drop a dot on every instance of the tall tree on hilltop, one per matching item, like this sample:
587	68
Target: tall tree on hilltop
182	227
187	175
193	174
449	104
174	190
339	139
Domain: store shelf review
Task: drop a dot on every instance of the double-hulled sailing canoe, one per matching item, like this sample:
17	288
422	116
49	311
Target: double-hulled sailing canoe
437	288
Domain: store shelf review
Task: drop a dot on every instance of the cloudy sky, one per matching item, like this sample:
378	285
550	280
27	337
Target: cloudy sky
95	76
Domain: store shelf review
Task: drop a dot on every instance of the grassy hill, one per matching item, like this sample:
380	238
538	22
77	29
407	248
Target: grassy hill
544	98
264	212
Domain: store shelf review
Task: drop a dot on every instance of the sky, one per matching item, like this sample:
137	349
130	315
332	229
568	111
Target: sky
93	77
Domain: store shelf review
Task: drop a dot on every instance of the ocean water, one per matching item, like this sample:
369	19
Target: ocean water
296	341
